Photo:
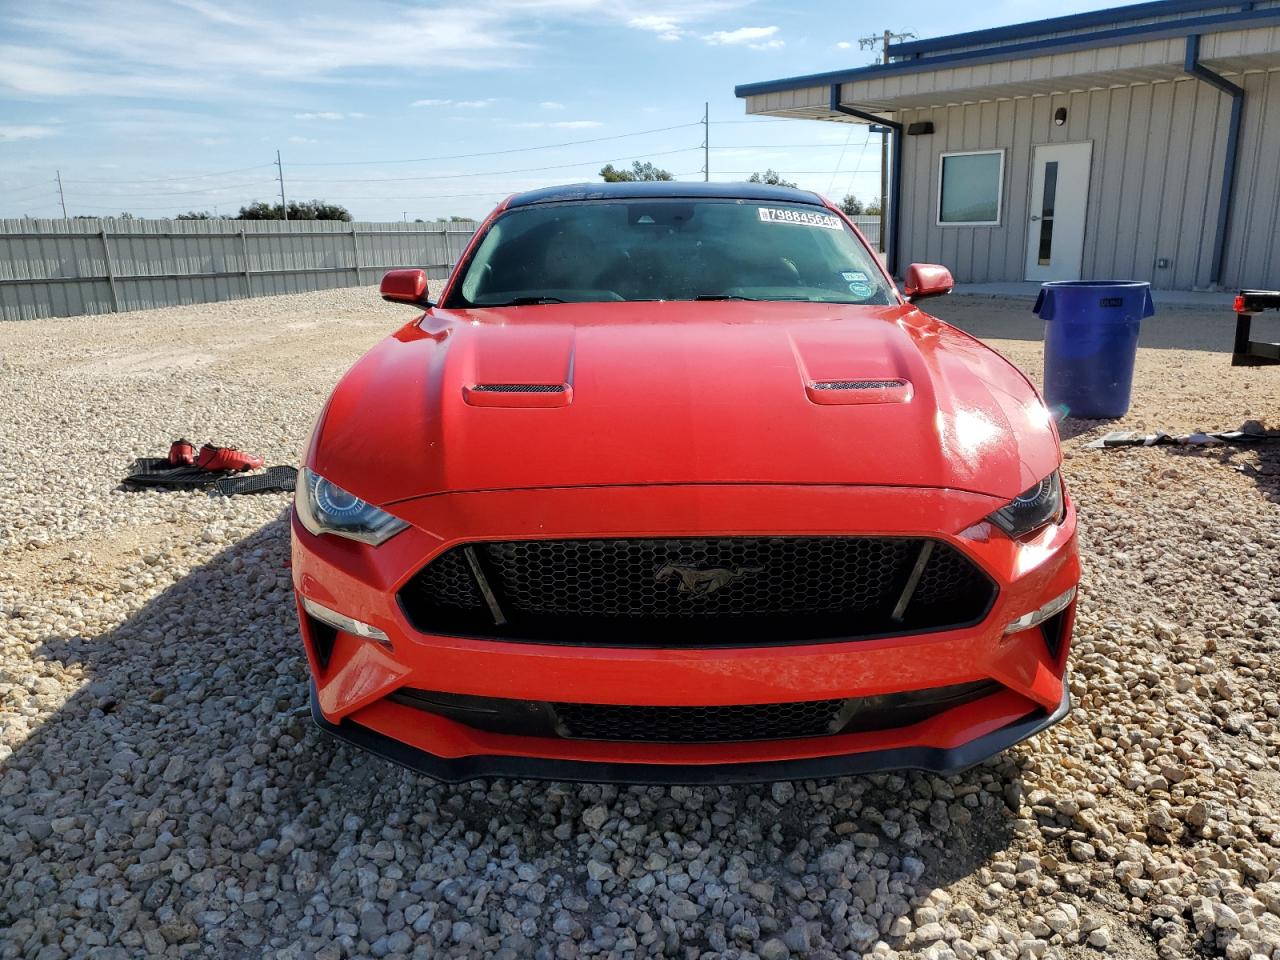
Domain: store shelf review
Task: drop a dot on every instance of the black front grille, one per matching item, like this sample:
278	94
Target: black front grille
726	591
709	724
759	721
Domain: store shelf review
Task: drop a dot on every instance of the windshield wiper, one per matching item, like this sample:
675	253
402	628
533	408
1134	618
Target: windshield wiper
735	296
526	301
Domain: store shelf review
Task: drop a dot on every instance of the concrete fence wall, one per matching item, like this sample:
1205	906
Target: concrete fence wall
62	268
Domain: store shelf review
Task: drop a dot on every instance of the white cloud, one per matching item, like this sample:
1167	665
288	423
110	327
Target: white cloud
757	38
302	140
559	124
551	105
14	132
244	51
464	104
664	26
210	141
197	49
843	45
329	115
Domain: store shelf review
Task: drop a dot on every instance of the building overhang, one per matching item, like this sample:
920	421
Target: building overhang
1236	42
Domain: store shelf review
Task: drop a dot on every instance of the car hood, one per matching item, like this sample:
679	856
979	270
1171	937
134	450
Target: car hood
679	393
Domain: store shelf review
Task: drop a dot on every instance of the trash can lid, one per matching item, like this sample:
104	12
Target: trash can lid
1110	294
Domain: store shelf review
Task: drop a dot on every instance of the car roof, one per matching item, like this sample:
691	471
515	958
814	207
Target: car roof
663	189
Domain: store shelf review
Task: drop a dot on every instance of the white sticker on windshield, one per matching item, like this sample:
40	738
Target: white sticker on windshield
853	276
806	218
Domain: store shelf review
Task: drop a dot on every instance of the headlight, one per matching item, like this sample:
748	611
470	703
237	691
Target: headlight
1040	505
324	507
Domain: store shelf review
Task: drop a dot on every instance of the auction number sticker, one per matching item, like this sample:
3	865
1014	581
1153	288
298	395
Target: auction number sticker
804	217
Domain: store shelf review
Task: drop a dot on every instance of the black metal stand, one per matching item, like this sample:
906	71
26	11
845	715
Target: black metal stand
1254	353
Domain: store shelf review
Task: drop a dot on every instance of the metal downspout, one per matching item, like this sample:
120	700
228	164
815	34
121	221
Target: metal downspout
895	195
1192	66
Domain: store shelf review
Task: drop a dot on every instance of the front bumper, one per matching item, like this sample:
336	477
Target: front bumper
352	685
936	760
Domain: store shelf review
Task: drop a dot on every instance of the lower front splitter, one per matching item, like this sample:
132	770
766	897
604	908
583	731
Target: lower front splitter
936	760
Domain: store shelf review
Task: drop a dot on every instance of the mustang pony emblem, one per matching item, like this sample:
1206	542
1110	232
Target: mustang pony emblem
699	583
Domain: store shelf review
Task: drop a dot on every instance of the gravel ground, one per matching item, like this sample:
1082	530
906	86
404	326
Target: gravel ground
162	791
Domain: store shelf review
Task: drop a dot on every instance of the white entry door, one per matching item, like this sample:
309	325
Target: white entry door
1059	196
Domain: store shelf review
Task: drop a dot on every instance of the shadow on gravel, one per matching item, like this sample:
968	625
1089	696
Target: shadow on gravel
1259	461
1071	427
181	802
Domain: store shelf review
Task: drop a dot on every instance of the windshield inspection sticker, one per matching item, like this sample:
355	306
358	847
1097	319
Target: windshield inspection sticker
861	289
854	276
804	217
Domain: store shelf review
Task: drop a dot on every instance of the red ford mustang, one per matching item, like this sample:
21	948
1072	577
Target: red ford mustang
673	485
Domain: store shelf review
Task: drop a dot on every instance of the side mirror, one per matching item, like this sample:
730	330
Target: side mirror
926	280
405	286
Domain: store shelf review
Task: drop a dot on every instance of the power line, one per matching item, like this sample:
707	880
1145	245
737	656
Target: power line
147	195
780	146
706	141
492	173
506	192
787	173
494	153
433	177
189	176
832	182
43	188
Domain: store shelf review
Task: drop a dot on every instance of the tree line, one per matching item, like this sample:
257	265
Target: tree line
638	172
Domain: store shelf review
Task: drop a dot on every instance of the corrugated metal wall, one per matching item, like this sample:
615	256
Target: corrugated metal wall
1253	242
1153	191
59	268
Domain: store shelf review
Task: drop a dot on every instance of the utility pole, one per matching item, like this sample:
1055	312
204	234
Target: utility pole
706	140
61	199
284	206
869	43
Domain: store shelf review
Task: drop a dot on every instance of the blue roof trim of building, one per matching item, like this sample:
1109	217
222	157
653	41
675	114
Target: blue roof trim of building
1081	41
1113	16
664	189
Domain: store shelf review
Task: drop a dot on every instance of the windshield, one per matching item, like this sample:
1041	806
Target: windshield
678	249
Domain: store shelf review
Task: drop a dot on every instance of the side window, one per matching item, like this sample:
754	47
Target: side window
970	188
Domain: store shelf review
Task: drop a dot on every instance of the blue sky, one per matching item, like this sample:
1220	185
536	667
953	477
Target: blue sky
160	107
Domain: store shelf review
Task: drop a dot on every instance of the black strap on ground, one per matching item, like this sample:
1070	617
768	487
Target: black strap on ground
273	478
157	472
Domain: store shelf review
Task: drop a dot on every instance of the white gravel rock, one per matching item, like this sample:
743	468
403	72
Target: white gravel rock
163	792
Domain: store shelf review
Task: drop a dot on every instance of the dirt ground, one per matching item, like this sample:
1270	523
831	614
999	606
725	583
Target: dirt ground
163	793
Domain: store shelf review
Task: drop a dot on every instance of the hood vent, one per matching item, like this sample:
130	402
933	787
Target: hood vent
518	394
519	388
833	392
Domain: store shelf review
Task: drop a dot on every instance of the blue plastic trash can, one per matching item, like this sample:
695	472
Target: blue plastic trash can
1090	343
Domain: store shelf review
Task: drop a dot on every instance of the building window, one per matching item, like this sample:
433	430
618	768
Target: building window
970	186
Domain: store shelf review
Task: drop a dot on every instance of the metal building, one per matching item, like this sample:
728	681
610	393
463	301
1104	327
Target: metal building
1140	142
